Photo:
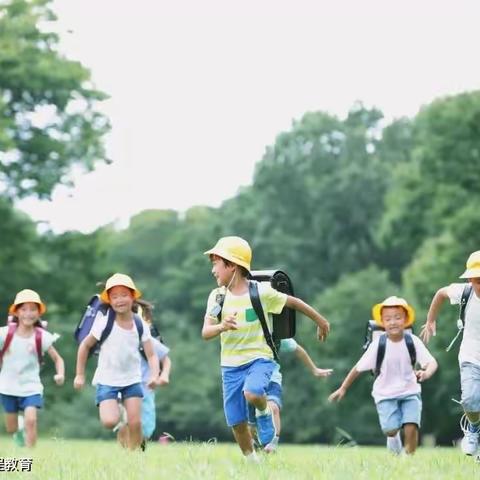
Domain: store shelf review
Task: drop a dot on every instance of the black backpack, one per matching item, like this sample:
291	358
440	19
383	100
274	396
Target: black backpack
373	330
284	324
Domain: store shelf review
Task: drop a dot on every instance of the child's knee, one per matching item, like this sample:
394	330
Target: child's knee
391	433
252	397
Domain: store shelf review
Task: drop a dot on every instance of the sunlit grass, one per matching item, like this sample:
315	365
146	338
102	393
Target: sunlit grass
68	459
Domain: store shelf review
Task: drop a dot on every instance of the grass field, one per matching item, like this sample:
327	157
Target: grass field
95	460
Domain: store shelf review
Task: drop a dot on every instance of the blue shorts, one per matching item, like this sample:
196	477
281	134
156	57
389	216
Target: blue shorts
107	392
148	414
470	384
13	404
252	377
393	413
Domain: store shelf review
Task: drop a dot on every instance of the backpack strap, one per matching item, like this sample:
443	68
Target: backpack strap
139	325
12	327
411	349
257	306
38	344
108	327
382	344
467	292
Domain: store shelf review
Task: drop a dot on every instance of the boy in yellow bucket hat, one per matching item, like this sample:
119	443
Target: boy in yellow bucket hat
23	342
396	389
246	358
467	294
118	372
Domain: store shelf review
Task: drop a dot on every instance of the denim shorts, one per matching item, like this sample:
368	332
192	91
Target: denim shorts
393	413
13	404
470	384
107	392
252	377
148	414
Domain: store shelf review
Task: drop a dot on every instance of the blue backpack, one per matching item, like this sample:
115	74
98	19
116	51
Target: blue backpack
94	306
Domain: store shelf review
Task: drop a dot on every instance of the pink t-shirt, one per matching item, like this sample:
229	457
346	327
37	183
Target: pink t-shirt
397	377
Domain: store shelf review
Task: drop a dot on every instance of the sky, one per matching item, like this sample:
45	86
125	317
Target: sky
199	89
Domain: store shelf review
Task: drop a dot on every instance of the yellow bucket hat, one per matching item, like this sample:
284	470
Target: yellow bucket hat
25	296
234	249
473	266
393	302
116	280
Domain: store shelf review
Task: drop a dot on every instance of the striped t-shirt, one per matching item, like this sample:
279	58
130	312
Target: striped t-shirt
247	343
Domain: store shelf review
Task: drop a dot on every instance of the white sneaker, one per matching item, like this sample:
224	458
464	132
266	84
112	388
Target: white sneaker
123	418
469	442
394	444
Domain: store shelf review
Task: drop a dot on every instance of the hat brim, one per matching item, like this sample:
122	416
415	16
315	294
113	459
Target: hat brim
377	313
470	273
13	308
227	256
104	295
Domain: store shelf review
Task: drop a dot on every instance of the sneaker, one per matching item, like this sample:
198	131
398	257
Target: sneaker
123	418
143	445
469	442
19	438
394	444
265	428
272	446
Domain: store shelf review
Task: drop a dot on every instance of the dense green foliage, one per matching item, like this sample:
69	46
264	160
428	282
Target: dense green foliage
354	210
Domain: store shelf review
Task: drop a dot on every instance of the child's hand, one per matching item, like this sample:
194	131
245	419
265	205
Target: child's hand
422	375
322	330
322	372
337	395
59	379
163	380
229	323
429	330
79	382
152	383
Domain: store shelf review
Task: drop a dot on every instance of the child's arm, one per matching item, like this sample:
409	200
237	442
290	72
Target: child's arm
323	327
59	376
153	363
338	394
164	378
305	358
428	371
88	342
430	327
211	329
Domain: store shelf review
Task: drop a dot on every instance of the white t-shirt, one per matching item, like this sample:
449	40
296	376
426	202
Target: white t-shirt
397	377
20	374
119	359
470	346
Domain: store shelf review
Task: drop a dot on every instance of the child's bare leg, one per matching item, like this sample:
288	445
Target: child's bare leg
276	416
109	413
242	435
133	405
30	416
410	432
258	401
123	436
11	422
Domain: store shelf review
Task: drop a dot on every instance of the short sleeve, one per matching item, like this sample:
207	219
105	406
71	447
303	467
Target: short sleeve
454	292
272	300
288	345
423	355
369	359
99	325
48	339
146	332
160	349
211	304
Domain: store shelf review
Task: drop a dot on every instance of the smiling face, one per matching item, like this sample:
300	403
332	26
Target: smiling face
221	271
394	319
27	313
121	298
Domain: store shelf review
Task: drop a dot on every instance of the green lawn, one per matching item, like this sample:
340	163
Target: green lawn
92	460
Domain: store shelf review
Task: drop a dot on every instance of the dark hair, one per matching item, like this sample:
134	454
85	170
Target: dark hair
147	309
244	272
